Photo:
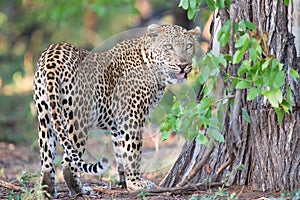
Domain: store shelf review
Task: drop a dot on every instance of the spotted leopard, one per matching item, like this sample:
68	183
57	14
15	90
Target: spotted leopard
76	90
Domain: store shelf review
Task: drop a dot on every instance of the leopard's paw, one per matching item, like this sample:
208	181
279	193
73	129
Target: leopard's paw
81	191
87	191
139	184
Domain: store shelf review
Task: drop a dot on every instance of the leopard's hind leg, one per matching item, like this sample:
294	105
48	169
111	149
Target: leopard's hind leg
47	144
77	128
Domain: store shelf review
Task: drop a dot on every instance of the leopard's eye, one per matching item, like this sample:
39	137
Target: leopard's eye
189	45
169	46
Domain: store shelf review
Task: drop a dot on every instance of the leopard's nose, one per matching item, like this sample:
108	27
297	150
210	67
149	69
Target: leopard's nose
183	66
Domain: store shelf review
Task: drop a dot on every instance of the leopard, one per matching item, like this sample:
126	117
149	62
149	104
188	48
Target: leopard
76	90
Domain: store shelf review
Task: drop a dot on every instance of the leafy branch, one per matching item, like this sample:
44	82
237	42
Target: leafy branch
258	72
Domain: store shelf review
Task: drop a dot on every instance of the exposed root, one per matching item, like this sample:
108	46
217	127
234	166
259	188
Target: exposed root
227	163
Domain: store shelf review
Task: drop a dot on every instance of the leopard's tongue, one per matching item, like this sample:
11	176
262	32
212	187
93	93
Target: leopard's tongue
180	76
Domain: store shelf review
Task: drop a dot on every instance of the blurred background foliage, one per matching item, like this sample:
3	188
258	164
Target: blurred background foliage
27	27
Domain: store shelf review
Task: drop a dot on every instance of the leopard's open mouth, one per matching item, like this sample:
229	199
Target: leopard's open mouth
185	69
181	76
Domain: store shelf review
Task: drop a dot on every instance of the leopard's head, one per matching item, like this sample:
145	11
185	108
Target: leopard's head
171	49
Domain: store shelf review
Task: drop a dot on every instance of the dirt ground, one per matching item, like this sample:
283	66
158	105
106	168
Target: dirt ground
16	160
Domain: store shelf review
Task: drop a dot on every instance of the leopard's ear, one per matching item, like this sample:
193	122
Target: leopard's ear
195	33
154	29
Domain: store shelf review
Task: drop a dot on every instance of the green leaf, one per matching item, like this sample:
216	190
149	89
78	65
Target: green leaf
165	135
246	116
253	54
258	81
224	33
202	139
279	80
266	64
275	64
252	94
215	61
220	4
191	13
233	84
224	39
250	25
222	60
209	86
242	41
228	57
216	134
240	167
278	95
205	120
243	84
280	65
204	104
244	67
256	67
227	3
178	124
193	4
176	108
184	4
275	97
211	4
204	74
208	61
294	73
266	79
286	2
238	56
280	114
165	127
242	25
236	28
258	49
286	106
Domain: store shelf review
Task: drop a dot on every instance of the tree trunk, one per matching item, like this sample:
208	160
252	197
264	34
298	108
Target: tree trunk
269	151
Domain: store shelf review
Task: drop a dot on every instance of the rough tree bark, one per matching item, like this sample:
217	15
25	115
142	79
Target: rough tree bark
269	151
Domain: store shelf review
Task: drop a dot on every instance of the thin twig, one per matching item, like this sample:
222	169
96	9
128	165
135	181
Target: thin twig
241	191
230	96
106	190
10	186
235	117
228	144
237	100
191	187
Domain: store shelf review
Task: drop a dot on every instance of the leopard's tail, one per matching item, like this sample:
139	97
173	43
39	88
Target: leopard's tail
55	106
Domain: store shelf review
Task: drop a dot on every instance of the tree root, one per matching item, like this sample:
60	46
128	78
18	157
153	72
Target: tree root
199	165
227	163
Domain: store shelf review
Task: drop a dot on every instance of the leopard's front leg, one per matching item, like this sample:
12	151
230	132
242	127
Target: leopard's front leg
119	160
131	105
128	149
